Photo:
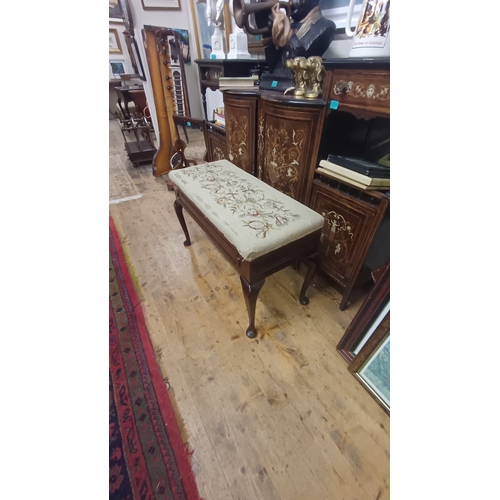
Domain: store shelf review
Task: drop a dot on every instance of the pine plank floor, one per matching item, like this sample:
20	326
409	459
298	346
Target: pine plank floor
275	418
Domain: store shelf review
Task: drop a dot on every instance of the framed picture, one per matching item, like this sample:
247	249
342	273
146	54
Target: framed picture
160	4
114	42
135	57
127	15
117	68
370	314
115	11
203	32
371	366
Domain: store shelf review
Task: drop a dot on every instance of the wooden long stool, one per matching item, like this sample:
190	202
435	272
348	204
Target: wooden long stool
259	229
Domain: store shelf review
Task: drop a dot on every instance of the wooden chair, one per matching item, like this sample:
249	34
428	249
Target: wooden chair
178	159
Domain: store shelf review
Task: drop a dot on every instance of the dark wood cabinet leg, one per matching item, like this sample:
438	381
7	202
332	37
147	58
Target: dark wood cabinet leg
347	294
345	298
250	292
312	263
180	216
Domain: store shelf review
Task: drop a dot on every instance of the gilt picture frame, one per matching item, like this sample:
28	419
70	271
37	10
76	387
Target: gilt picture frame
114	42
203	32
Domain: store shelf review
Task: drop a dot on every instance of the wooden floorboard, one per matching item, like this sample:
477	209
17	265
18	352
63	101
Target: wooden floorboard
274	418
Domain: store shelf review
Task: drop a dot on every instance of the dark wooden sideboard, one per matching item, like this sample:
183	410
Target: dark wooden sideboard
210	70
281	140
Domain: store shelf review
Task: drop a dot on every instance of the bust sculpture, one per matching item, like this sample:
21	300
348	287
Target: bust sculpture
300	32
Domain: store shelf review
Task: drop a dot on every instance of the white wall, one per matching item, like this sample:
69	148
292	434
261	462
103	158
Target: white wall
168	19
336	10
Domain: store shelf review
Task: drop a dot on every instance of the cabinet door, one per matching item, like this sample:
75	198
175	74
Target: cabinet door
350	225
290	136
215	140
241	114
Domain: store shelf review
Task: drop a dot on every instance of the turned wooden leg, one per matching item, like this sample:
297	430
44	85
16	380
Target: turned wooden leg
312	263
250	292
180	216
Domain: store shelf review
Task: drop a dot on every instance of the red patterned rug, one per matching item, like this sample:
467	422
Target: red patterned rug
147	459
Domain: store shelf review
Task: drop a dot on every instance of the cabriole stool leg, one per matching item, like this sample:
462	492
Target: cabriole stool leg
312	263
250	292
180	216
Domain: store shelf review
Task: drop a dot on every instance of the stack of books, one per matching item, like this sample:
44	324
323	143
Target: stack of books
359	173
231	82
219	117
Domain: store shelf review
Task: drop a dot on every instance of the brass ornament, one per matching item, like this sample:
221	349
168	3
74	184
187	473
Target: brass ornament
308	74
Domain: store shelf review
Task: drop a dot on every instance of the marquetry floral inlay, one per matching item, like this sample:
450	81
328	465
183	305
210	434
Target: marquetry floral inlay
260	145
237	133
252	205
282	158
218	154
336	235
361	90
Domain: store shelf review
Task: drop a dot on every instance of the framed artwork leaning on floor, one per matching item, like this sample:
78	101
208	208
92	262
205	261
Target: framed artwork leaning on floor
371	366
368	317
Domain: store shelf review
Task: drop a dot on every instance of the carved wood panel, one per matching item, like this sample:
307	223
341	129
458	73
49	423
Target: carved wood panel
366	90
291	137
240	130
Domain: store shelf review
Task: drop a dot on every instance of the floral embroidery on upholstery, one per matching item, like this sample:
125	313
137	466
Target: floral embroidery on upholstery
250	203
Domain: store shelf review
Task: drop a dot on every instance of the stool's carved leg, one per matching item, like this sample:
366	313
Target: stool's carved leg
250	292
180	216
312	263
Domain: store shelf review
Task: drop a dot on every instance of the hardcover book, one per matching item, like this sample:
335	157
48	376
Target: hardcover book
237	81
219	117
352	182
356	176
368	168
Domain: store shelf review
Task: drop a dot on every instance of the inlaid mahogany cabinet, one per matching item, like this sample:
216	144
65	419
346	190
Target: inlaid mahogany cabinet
281	139
275	137
353	218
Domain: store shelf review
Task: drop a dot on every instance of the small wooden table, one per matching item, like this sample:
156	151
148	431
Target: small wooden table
258	229
127	93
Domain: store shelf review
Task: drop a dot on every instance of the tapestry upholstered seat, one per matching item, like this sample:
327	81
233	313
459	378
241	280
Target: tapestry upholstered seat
259	229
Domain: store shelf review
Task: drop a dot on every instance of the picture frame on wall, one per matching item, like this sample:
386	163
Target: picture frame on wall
115	11
127	15
135	57
203	32
117	68
371	366
160	4
114	42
